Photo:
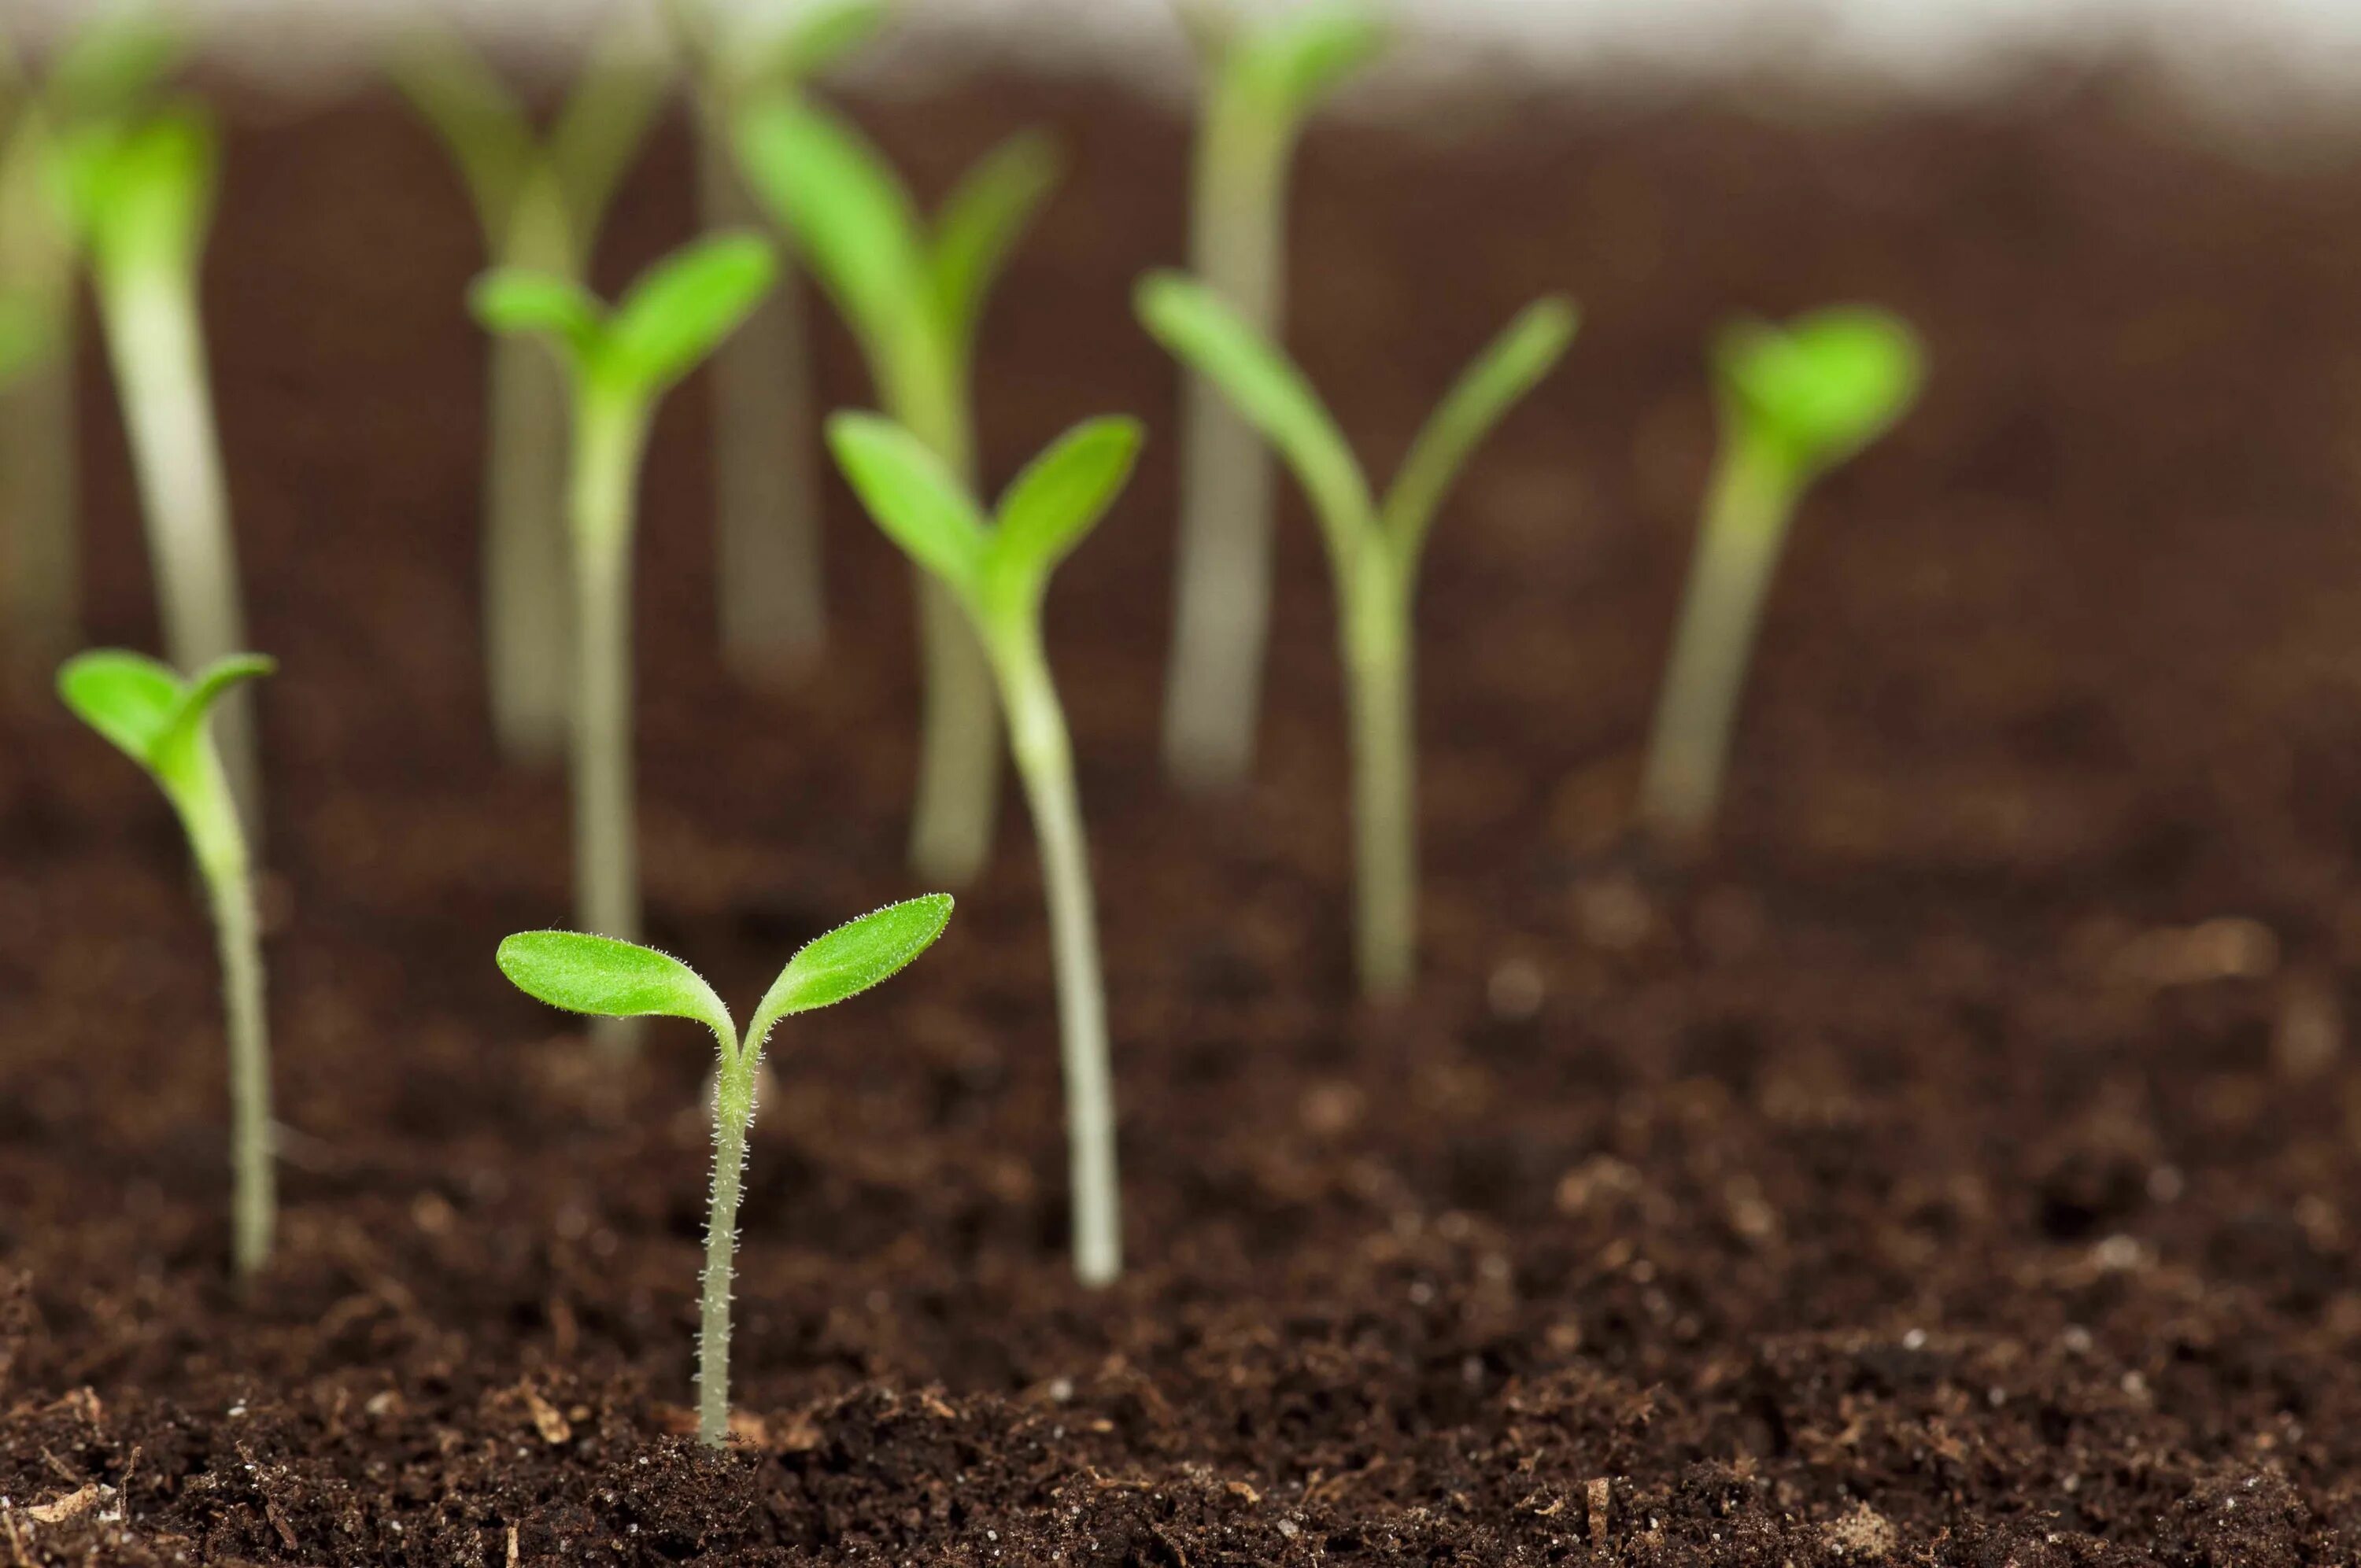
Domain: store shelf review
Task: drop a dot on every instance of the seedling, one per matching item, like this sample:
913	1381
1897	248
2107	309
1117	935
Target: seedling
912	299
1794	403
540	199
1373	550
997	573
618	364
769	578
164	724
608	978
1262	81
142	190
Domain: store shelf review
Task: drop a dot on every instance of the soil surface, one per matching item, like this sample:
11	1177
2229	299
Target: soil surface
1963	1165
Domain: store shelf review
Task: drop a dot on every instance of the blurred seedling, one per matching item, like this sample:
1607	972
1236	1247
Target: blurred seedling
997	572
540	199
618	365
1262	79
1374	551
912	296
165	724
608	979
769	578
1794	403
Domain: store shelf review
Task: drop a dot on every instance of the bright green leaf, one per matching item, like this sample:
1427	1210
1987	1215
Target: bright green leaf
684	306
915	499
512	300
980	225
1505	371
854	957
129	699
1823	387
144	192
611	979
1300	57
1060	497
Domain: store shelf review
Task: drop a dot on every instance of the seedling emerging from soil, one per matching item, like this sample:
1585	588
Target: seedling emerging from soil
1794	403
101	74
540	199
768	581
997	573
1262	81
912	299
619	367
164	724
1374	551
142	190
620	980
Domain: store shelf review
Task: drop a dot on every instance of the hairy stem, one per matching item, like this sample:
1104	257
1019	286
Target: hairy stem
1745	523
1045	762
733	1113
1379	692
156	343
605	847
211	822
1222	582
768	575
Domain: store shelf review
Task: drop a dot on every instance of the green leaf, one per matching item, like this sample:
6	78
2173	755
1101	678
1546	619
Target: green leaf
979	226
913	497
129	699
1504	372
1823	387
110	65
481	123
604	121
1059	497
850	959
611	979
143	192
682	308
1302	55
808	37
211	684
513	300
1208	336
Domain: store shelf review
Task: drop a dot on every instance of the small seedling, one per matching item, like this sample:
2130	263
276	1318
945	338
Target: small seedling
142	193
608	978
913	299
769	577
1794	403
1262	81
540	199
619	365
1373	550
997	573
163	723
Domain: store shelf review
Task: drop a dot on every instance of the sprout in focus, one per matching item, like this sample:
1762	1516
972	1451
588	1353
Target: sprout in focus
1794	403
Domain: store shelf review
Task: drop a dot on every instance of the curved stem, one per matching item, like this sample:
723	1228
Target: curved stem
733	1113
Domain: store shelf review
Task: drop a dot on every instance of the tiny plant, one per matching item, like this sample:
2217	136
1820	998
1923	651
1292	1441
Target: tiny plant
539	199
1262	81
619	365
1794	403
142	190
769	577
1373	550
608	979
997	573
913	297
163	723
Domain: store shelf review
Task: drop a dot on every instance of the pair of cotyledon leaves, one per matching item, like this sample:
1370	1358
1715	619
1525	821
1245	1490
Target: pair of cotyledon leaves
1822	387
607	977
150	712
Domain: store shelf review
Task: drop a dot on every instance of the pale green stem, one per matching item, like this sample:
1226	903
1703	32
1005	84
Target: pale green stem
40	539
1045	762
607	443
1747	509
1221	581
156	345
220	854
1379	693
528	648
733	1113
768	574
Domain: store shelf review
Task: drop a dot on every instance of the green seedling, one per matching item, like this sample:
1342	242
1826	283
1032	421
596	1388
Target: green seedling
608	978
1262	81
164	724
913	297
997	573
540	199
1794	403
618	364
102	73
1373	549
142	192
769	578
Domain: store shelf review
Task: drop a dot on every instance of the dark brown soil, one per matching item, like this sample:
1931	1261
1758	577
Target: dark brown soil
1923	1177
